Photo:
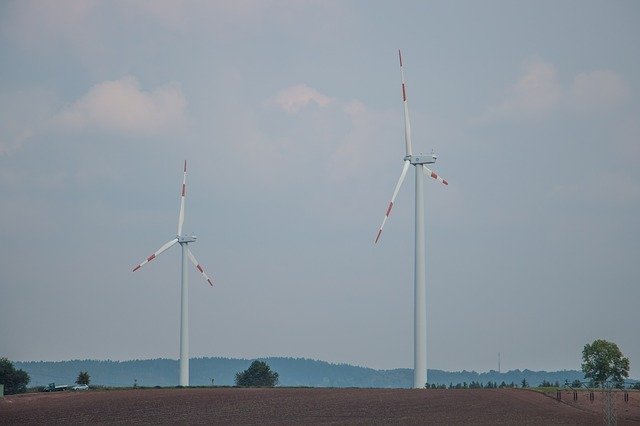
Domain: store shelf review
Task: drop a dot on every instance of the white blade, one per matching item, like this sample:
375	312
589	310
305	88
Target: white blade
407	124
427	172
393	198
156	254
184	191
199	267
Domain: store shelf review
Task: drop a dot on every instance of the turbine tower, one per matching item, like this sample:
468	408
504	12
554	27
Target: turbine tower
419	297
184	297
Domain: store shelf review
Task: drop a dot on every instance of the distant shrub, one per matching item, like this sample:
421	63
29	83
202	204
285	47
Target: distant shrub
258	374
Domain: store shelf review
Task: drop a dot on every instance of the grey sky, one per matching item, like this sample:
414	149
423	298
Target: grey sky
290	116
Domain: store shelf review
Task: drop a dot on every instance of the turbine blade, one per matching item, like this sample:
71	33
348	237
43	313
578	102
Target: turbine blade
393	198
407	123
156	254
184	192
428	172
199	267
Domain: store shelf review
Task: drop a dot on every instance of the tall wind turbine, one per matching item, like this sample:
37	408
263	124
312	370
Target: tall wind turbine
419	298
184	298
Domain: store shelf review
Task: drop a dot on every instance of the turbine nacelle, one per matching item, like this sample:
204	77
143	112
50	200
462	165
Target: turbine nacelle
183	240
421	158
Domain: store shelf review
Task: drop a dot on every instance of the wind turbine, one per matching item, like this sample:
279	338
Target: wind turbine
184	298
419	298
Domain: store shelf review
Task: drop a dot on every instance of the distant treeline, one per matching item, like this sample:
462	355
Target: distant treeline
292	371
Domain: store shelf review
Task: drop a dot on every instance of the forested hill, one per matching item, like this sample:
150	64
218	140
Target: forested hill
292	371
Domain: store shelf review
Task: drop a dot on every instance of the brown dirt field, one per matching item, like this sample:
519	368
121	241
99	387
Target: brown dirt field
313	405
625	411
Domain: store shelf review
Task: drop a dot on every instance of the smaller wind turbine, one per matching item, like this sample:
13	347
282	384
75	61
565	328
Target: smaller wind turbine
184	298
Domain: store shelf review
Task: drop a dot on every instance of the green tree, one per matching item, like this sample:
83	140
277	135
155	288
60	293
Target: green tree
524	383
604	361
14	381
83	378
258	374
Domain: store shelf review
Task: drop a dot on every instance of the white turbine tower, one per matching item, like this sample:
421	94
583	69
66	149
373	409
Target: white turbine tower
419	301
184	298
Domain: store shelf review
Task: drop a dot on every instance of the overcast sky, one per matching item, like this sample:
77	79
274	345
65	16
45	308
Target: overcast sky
290	116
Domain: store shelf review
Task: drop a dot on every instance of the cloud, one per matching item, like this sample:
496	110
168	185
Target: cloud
362	131
22	115
121	106
536	93
13	142
294	98
599	89
36	24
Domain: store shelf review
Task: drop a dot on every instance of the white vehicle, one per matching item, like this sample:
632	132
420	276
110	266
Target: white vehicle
80	387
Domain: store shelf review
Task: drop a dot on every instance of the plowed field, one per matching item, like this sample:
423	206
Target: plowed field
296	406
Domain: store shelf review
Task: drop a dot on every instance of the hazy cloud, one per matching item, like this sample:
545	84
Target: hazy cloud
538	92
599	89
22	114
121	106
36	23
294	98
14	141
534	95
362	131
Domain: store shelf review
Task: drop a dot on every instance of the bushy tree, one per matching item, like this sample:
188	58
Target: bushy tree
83	378
258	374
524	383
14	381
576	383
602	361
